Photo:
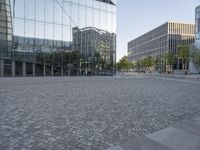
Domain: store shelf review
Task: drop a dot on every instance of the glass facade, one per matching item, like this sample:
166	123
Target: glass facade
43	31
159	41
197	14
5	28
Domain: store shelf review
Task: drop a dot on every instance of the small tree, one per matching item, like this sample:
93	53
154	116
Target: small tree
196	57
143	63
150	61
184	54
138	64
124	64
169	59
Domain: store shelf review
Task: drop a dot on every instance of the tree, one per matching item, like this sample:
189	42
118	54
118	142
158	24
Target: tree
196	57
124	63
184	54
157	63
169	59
150	61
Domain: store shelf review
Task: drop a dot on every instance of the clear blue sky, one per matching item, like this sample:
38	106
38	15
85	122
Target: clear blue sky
136	17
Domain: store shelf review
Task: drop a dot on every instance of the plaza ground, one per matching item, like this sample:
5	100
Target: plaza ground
91	113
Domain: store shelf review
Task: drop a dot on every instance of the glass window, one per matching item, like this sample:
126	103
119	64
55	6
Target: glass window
19	27
57	32
49	10
9	37
29	28
3	30
109	22
90	3
29	9
40	10
19	8
103	20
9	31
66	13
74	1
58	14
67	34
82	2
3	24
48	31
39	30
89	17
96	18
75	15
82	17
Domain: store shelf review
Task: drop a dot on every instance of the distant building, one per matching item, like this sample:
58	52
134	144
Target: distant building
197	22
161	40
194	68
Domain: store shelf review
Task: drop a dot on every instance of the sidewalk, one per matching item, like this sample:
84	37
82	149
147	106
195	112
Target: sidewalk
177	76
182	136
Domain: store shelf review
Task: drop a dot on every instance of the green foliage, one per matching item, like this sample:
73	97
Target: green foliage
184	53
56	58
145	62
169	58
149	61
124	63
196	57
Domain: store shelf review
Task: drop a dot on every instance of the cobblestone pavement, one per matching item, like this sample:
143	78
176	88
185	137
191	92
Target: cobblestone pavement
90	113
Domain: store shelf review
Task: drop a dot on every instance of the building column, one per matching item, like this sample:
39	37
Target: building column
13	68
33	70
69	72
61	73
52	71
1	67
178	64
24	69
44	70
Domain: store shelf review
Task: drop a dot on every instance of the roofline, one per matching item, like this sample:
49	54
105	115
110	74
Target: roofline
159	27
198	7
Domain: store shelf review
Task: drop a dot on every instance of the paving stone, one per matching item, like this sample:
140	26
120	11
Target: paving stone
90	113
116	148
143	143
189	126
176	139
197	120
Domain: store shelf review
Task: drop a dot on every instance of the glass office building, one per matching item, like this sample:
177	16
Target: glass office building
39	35
195	68
197	22
5	28
159	41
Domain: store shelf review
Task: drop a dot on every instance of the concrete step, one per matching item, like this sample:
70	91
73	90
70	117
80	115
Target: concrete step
176	139
140	143
182	136
192	127
143	143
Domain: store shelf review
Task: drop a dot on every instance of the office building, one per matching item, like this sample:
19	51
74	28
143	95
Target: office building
161	40
37	35
197	27
195	68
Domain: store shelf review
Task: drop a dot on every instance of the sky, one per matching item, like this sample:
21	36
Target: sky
136	17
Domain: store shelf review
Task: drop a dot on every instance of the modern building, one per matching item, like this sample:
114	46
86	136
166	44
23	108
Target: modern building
197	27
36	35
161	40
194	68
